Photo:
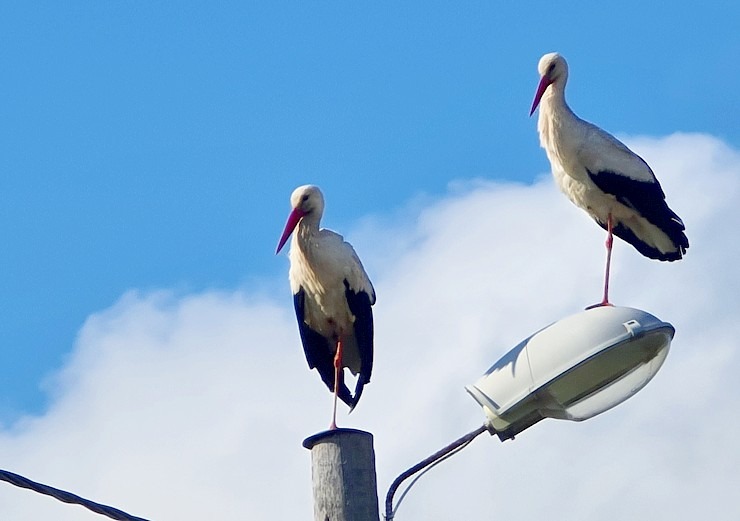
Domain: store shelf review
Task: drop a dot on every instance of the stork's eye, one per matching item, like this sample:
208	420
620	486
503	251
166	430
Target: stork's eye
551	69
304	198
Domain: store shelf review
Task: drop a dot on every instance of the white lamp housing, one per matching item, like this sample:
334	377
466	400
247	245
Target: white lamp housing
573	369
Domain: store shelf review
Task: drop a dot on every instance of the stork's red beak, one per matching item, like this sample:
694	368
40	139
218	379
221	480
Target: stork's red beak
541	88
293	219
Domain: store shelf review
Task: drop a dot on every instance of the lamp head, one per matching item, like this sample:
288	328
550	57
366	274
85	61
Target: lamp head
573	369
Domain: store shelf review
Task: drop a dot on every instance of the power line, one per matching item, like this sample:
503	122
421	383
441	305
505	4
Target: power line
67	497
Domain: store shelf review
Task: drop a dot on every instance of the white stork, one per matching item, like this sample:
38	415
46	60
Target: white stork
332	295
604	177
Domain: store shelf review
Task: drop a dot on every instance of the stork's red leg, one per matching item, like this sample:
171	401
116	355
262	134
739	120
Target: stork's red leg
609	244
337	370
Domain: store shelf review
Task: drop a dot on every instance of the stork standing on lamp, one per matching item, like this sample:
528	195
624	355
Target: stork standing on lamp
332	295
601	175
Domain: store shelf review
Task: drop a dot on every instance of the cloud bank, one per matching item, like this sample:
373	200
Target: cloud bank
192	406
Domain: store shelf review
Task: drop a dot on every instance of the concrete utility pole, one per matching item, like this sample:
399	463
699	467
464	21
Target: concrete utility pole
343	474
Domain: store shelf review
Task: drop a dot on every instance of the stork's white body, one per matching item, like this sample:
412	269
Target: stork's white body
576	147
320	262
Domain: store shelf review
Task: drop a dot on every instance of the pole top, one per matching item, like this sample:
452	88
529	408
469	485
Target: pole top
327	435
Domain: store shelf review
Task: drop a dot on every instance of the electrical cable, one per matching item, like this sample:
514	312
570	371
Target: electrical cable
67	497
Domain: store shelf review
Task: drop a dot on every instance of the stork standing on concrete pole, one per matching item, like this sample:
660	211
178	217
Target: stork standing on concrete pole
332	295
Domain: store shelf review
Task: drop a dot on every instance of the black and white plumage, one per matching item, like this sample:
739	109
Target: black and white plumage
602	176
333	298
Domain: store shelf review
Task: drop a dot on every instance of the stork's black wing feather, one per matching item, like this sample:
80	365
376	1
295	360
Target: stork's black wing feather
361	307
647	199
319	352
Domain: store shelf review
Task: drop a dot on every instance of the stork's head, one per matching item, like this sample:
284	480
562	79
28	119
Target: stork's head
306	200
552	68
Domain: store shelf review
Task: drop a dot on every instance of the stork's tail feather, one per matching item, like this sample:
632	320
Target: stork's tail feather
647	201
677	236
346	396
358	392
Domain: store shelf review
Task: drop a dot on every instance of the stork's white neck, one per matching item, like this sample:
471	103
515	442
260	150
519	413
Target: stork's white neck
306	233
553	102
556	119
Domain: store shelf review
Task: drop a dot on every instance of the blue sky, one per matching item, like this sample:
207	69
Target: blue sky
150	146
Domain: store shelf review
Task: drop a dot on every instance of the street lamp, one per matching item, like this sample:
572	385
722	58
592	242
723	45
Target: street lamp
573	369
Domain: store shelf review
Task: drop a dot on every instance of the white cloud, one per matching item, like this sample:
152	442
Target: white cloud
194	406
